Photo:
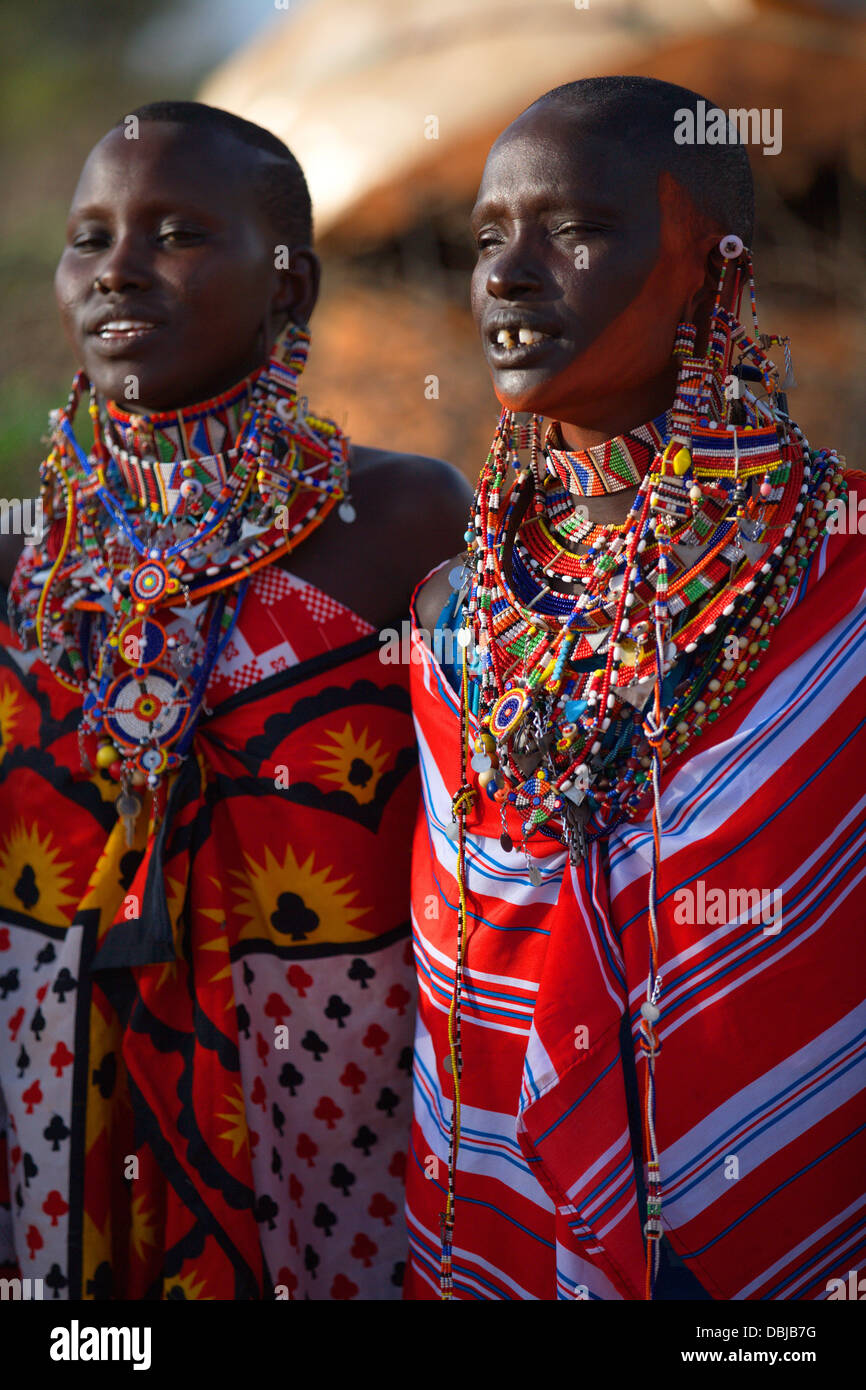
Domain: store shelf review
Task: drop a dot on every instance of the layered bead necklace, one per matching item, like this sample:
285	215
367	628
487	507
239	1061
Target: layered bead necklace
168	510
680	598
589	672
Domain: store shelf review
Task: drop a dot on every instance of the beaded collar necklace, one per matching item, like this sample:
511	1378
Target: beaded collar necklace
572	704
605	468
151	451
166	510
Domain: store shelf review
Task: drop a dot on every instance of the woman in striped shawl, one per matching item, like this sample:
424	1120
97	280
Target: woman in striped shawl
635	886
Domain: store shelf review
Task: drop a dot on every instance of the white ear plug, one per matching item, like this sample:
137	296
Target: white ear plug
731	246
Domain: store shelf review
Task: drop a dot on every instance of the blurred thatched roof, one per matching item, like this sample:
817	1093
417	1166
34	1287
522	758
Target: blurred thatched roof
351	85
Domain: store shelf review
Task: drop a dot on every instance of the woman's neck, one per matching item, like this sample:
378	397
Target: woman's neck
196	431
621	413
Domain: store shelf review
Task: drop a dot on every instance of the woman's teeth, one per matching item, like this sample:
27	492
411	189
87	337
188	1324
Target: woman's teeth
123	326
527	336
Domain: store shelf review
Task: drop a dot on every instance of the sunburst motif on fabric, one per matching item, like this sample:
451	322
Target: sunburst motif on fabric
353	763
10	713
236	1134
143	1229
293	903
106	890
175	894
36	878
218	943
189	1287
96	1246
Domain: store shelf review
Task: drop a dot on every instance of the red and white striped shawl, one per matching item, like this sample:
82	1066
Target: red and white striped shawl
759	1120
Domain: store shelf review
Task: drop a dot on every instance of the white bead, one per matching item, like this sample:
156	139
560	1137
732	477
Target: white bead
650	1012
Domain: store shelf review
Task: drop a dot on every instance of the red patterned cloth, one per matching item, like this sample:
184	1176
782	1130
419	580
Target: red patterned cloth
205	1039
759	1081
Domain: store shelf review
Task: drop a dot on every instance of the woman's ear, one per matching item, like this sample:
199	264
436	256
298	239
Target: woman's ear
297	287
701	302
704	295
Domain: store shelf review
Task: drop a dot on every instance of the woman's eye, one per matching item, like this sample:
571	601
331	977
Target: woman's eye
180	234
89	241
576	229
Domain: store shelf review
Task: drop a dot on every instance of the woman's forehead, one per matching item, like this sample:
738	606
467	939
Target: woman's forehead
546	157
165	158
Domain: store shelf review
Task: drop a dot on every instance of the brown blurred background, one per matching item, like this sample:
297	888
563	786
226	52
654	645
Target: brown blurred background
390	105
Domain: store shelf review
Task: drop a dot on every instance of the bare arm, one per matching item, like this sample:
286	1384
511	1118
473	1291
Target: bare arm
434	594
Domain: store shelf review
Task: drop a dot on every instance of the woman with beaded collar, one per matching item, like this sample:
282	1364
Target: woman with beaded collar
642	820
209	776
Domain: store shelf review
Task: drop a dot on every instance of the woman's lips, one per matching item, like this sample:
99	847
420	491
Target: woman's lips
124	333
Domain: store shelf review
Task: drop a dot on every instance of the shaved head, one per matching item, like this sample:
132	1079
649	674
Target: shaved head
641	112
277	177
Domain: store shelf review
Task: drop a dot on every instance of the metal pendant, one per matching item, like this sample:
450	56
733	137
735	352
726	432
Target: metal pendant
128	807
576	843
